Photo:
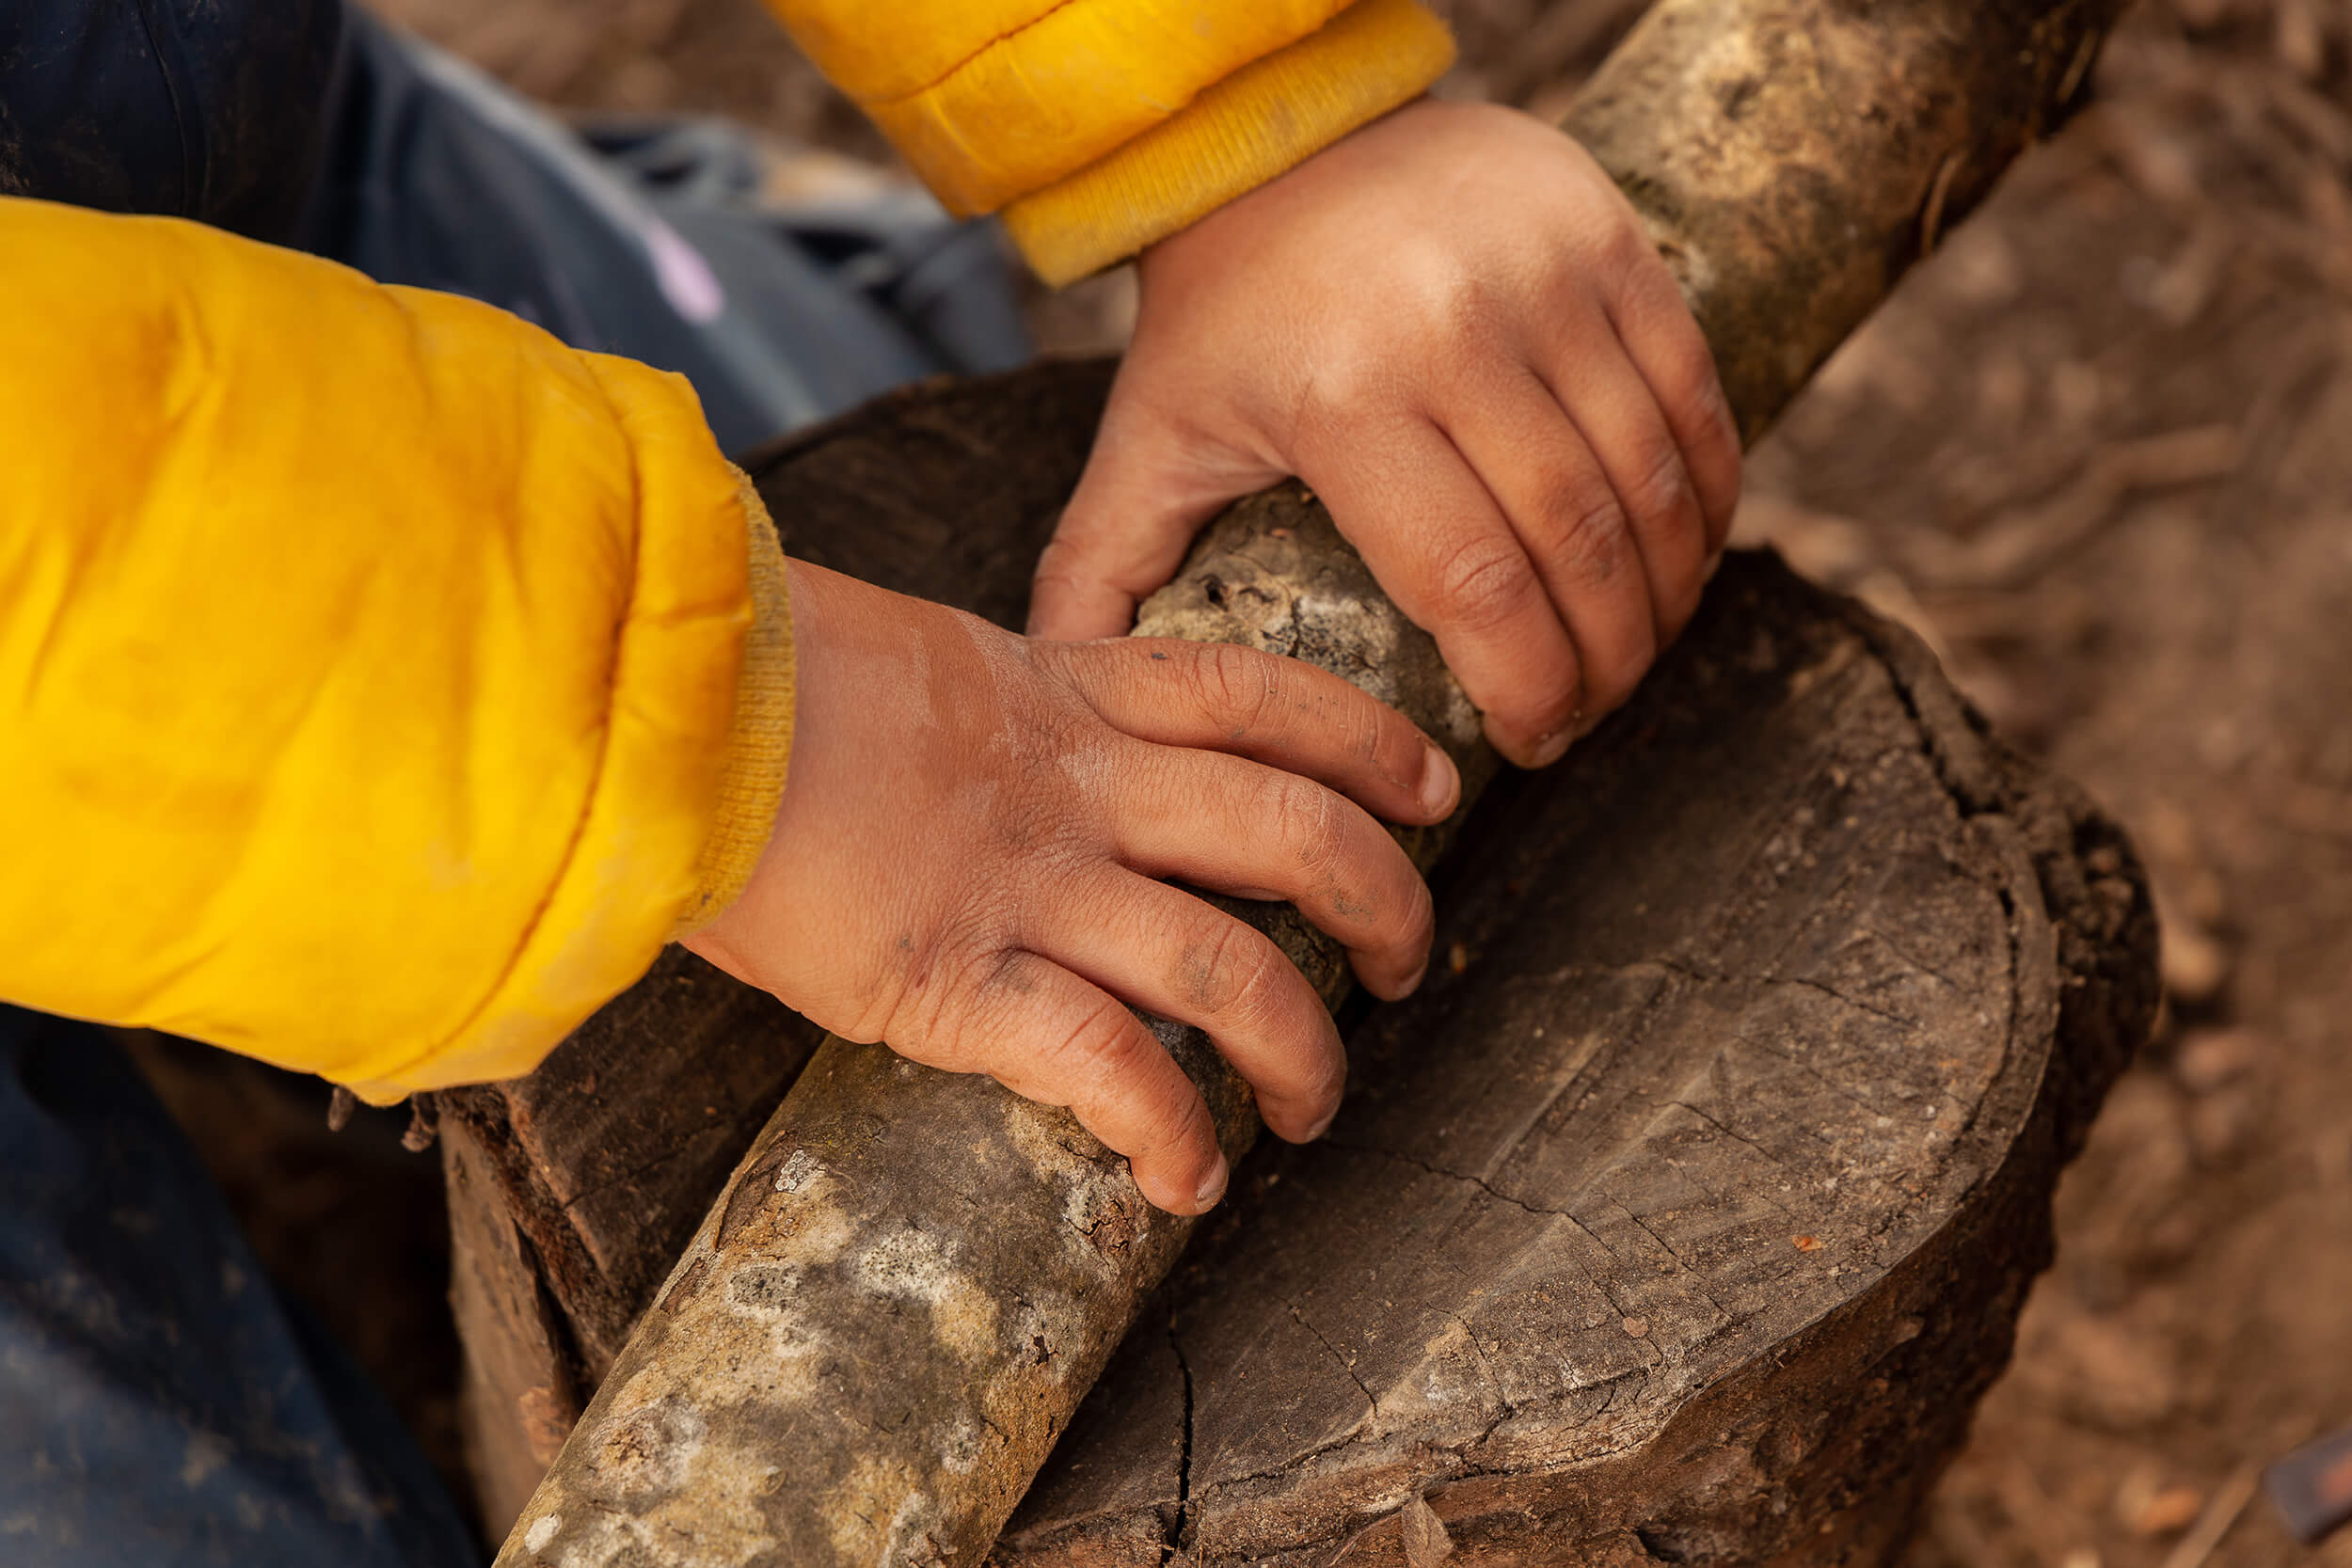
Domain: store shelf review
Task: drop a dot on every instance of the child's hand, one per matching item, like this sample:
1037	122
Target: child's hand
1450	326
964	862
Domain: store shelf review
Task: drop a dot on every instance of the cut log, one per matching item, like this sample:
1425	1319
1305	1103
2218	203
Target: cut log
1686	1212
883	1326
574	1189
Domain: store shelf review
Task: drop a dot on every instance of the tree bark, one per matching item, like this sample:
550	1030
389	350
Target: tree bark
1686	1212
888	1317
574	1189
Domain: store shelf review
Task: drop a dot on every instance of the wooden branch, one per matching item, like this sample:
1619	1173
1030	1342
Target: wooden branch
976	1259
1686	1212
573	1190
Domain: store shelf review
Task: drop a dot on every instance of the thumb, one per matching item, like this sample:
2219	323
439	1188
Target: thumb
1146	491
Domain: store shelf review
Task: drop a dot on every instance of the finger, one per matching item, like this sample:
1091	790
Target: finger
1254	831
1593	378
1573	521
1279	711
1171	954
1671	355
1147	488
1048	1036
1433	535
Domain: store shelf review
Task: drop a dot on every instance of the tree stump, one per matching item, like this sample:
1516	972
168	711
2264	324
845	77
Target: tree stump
1684	1214
1790	158
574	1189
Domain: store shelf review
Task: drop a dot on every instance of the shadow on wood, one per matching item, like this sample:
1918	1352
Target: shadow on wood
573	1190
1685	1214
1779	1006
876	1335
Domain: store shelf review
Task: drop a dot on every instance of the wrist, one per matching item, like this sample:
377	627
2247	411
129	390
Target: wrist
759	740
1235	136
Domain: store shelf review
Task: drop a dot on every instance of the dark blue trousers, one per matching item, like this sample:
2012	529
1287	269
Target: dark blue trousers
306	124
161	1406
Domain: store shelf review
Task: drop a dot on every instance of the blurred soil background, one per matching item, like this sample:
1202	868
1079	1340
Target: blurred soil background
2099	454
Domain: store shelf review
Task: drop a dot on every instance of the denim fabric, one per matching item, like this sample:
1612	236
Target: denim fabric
161	1406
651	241
205	109
301	123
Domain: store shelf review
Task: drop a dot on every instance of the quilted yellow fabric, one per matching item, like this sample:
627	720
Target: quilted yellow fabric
382	682
1099	126
367	658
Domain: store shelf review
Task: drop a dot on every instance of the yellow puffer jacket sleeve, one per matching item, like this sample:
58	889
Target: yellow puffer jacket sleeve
381	682
1096	127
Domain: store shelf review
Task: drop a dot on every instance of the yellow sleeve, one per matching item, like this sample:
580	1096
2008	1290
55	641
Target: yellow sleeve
1096	127
380	680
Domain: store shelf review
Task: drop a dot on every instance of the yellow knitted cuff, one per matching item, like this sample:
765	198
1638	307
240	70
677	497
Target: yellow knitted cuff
1263	120
759	744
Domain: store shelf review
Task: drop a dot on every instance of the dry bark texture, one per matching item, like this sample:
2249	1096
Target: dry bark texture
1793	157
886	1321
566	1185
883	1327
574	1190
1685	1214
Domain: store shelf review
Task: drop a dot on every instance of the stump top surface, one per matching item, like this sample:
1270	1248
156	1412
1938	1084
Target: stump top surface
1754	1038
1733	1015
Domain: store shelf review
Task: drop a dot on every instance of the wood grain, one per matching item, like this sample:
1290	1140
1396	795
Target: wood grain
885	1320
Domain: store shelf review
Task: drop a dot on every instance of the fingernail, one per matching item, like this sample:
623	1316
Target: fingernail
1440	784
1552	747
1319	1129
1414	984
1714	564
1214	1188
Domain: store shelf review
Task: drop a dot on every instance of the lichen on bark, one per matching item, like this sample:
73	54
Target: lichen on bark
893	1310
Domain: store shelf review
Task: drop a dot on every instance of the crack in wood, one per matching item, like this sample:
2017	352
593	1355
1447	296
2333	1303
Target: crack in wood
1173	1543
1372	1405
1683	1268
1835	994
1479	1182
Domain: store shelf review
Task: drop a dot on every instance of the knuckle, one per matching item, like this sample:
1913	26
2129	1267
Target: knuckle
1061	569
1258	994
1661	493
1243	989
1458	304
1235	686
1365	728
1098	1042
1250	978
1310	822
1627	253
1691	386
959	1003
1585	533
1348	379
1484	583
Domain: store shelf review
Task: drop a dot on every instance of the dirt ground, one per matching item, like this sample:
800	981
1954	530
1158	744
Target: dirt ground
2099	452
